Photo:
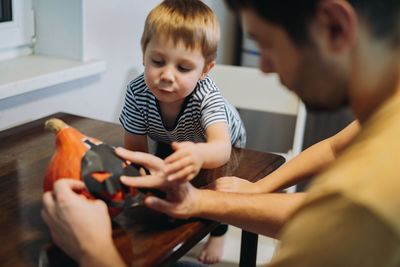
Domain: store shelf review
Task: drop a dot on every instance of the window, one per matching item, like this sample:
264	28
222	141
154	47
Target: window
16	28
5	10
42	44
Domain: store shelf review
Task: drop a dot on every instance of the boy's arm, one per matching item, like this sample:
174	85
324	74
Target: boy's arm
309	162
135	142
189	157
217	150
300	168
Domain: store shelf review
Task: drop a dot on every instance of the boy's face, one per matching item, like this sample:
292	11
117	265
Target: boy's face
172	71
315	76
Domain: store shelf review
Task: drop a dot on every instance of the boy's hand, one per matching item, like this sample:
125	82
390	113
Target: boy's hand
185	163
233	184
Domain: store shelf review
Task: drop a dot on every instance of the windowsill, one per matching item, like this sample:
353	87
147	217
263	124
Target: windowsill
30	73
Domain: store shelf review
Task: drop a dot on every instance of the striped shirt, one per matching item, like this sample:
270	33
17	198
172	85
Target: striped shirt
203	107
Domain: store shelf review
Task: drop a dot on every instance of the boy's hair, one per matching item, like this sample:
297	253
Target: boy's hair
188	21
382	16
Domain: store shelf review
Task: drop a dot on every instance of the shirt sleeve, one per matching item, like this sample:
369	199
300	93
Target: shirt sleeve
132	118
335	231
213	109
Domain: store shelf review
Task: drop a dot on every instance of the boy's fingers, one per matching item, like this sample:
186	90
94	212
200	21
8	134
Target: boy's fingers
175	156
175	145
182	174
177	165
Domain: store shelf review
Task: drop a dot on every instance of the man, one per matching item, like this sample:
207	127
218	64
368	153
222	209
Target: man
331	53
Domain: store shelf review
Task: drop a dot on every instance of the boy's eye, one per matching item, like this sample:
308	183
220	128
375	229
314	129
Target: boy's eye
184	68
157	62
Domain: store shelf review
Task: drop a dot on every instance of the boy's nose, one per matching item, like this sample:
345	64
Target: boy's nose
167	74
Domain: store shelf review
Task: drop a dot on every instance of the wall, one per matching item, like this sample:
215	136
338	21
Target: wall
113	31
227	46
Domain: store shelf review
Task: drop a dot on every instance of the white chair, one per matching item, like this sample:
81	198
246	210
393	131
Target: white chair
248	88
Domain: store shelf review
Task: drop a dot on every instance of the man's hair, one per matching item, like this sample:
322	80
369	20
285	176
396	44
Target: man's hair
188	21
382	16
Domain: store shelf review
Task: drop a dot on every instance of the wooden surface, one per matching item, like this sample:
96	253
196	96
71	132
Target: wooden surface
144	237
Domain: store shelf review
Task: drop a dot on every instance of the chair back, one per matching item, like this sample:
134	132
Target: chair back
248	88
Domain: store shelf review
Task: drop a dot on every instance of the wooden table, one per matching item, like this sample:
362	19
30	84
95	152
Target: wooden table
144	237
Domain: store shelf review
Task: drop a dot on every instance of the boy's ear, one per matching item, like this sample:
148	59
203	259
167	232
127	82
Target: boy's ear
207	69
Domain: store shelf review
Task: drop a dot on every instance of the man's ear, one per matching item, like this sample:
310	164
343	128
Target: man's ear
207	69
338	20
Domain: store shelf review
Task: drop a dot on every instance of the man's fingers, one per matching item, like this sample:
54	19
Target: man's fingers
49	207
128	155
147	160
147	181
48	200
62	184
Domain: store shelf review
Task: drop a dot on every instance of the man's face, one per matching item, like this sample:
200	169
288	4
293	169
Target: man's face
318	80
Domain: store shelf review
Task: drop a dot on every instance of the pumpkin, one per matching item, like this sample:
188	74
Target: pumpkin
66	162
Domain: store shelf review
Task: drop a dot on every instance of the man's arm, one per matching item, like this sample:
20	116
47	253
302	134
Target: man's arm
264	214
261	213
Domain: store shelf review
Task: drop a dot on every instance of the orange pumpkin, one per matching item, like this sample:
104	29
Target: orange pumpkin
71	147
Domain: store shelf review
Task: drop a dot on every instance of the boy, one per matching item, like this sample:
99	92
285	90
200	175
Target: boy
174	101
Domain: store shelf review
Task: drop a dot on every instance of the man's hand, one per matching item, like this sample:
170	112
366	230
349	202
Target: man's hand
155	165
81	227
181	197
233	184
185	163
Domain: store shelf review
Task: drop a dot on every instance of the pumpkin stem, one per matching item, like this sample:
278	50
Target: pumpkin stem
55	125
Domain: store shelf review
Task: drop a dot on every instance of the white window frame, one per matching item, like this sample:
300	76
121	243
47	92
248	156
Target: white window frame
47	48
17	35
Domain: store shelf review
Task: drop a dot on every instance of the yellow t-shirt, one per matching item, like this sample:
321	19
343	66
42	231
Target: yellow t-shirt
351	216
